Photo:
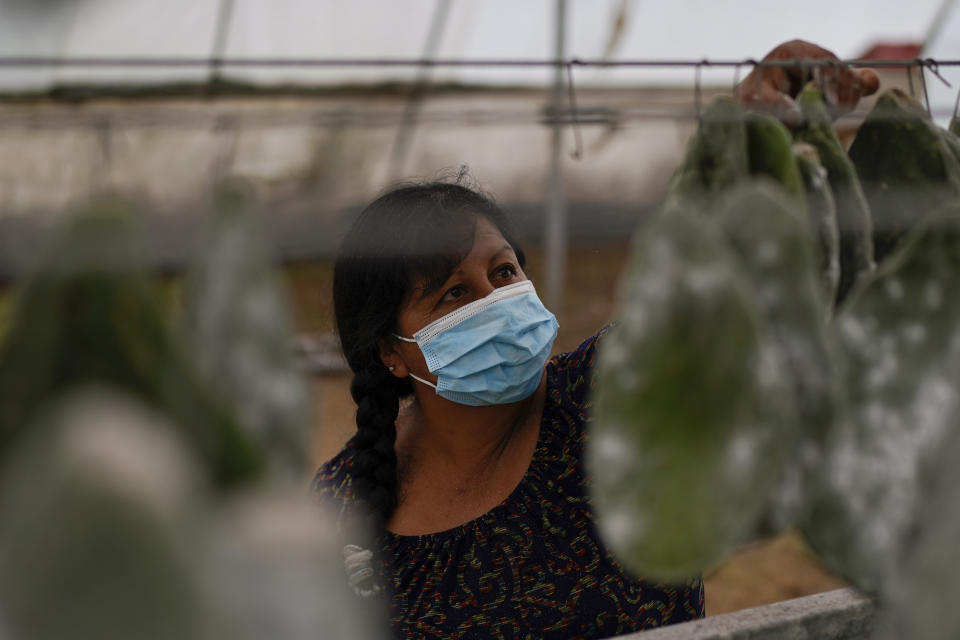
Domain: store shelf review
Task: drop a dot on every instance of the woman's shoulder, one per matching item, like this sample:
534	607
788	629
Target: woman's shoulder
571	373
332	483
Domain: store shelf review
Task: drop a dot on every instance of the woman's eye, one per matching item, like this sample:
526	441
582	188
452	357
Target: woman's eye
453	294
506	272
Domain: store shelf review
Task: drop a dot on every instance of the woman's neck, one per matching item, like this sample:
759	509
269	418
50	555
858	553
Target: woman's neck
458	462
461	435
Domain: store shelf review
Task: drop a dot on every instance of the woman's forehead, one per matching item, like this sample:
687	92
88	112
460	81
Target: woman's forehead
488	243
486	237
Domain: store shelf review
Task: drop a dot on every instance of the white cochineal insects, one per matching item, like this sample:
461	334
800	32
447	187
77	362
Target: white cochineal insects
96	525
921	603
899	336
237	326
691	404
853	214
771	236
106	518
822	215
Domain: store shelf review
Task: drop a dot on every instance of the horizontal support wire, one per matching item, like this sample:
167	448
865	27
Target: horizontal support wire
172	62
342	116
585	117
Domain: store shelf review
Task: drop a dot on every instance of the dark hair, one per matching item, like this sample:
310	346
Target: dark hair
412	234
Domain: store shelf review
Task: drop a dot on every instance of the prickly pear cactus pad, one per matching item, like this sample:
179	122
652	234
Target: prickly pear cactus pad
951	141
769	234
899	336
96	527
277	568
853	213
237	327
88	315
923	603
822	216
689	404
109	529
906	168
716	155
770	152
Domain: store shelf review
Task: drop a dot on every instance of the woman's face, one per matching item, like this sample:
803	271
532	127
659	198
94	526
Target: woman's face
490	264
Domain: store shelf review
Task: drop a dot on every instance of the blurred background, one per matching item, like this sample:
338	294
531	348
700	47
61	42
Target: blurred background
158	102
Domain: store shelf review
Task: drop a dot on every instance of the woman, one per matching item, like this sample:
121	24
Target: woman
468	457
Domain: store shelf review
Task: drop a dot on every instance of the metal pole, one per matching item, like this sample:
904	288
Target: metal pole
556	225
220	35
406	130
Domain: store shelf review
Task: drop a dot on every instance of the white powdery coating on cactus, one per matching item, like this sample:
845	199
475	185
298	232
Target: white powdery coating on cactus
117	440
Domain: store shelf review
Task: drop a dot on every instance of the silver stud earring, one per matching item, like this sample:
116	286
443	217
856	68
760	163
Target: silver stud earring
391	368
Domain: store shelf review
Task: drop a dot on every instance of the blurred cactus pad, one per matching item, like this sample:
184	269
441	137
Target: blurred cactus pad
748	386
153	464
87	314
236	326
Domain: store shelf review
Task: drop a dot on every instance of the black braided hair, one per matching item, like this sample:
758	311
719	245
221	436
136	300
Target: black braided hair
374	470
414	234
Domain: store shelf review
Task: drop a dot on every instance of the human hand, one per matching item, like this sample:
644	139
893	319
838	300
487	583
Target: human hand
774	88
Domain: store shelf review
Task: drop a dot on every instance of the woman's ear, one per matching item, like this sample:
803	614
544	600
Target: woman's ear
391	358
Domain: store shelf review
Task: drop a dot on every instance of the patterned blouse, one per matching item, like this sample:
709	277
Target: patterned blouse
533	566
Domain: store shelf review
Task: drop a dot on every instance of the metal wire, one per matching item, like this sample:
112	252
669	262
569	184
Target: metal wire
581	117
173	62
336	117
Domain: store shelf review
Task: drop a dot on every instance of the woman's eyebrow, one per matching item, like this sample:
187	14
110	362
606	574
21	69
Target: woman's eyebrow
505	248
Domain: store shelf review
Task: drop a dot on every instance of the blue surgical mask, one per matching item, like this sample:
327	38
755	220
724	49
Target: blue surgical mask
490	351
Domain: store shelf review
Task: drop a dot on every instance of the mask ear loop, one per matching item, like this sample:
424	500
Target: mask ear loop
421	380
426	382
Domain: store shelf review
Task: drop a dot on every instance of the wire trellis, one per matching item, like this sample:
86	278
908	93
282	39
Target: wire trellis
604	115
238	62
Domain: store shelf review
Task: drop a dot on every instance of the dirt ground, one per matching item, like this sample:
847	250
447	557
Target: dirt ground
760	572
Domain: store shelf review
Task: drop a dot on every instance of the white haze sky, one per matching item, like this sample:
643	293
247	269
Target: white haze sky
658	29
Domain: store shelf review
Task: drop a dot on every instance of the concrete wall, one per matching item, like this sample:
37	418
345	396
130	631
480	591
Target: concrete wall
843	614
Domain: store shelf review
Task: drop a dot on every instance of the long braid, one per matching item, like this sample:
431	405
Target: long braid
374	471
